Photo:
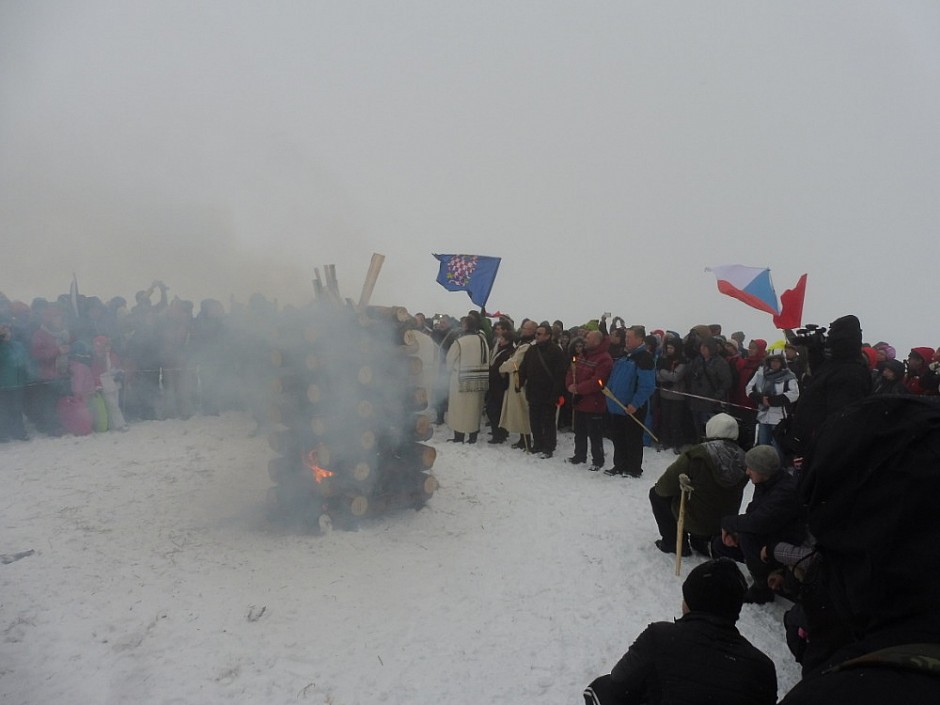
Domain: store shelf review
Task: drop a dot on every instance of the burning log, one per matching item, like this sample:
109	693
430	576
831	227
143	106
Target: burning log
352	445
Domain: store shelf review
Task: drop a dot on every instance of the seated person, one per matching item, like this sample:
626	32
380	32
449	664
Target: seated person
700	657
774	514
715	469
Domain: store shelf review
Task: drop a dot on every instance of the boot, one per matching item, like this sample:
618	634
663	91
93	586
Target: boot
473	437
458	438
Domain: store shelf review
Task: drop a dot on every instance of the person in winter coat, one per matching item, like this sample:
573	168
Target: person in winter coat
670	381
891	378
14	374
468	363
698	658
774	514
514	416
542	373
632	382
716	473
773	390
744	369
502	350
917	370
590	373
107	373
79	413
49	351
838	376
876	531
709	377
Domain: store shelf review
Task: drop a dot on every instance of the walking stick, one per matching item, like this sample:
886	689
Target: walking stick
685	488
610	395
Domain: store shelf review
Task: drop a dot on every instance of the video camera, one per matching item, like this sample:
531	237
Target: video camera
811	337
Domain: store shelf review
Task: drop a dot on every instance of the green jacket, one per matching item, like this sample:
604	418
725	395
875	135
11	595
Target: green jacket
716	472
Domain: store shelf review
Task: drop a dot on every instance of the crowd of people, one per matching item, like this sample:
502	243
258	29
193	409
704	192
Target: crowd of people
81	365
765	414
732	411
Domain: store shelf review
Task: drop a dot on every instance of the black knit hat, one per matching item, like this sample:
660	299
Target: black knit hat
845	338
717	587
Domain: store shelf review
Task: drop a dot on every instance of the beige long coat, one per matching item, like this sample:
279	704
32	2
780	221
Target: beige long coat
465	409
514	416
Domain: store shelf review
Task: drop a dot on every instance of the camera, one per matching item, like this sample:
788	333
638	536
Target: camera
812	337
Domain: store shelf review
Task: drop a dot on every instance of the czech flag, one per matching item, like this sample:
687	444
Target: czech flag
753	286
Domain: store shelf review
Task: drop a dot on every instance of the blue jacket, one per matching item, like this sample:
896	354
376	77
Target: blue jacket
632	380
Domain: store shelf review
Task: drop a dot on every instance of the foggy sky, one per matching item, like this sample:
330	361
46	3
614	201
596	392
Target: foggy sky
608	152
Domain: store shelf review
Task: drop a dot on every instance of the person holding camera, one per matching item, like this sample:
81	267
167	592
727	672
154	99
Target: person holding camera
838	375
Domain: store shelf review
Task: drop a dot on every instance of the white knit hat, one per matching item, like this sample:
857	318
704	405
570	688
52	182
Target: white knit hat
722	426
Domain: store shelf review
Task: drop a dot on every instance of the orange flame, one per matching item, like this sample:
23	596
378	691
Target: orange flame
319	474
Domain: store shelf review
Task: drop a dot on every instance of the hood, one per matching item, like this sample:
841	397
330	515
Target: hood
728	459
925	353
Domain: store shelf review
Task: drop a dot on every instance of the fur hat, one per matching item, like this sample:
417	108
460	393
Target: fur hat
717	587
763	460
722	426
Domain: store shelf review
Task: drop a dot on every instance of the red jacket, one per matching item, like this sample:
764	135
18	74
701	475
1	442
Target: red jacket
592	367
913	381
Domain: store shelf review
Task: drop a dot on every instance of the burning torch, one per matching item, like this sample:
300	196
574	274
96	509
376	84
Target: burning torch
610	395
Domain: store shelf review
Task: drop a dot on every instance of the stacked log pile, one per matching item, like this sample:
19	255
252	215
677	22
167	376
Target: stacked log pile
347	403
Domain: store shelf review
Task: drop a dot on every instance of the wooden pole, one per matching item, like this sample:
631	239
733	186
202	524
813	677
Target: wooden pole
680	532
610	395
375	266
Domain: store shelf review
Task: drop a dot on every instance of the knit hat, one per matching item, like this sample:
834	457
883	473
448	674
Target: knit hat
763	460
845	338
717	587
722	426
890	352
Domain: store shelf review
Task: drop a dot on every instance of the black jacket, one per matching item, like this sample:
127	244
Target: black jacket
836	385
700	658
775	513
543	373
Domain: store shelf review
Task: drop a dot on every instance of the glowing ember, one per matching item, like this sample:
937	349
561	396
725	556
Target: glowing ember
319	474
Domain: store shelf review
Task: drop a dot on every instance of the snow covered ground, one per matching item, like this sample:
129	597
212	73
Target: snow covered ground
156	578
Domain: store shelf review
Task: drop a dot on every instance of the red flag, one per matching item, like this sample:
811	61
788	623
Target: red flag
791	306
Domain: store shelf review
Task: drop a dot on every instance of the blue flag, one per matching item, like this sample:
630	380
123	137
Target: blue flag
474	274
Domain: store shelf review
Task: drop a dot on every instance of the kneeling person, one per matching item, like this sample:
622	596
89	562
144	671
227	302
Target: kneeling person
716	472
